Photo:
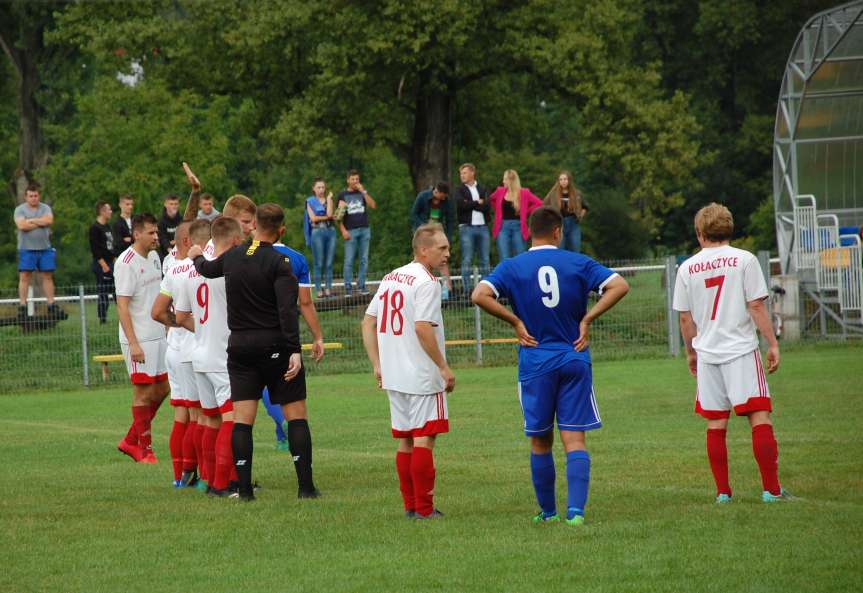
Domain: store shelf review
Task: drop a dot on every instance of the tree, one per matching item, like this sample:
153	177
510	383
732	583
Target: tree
22	30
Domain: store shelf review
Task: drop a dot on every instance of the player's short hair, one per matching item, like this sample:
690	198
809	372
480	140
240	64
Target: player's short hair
199	231
318	180
206	196
238	203
470	166
714	222
33	186
139	220
352	172
269	218
424	234
442	187
224	229
170	198
126	197
99	205
543	221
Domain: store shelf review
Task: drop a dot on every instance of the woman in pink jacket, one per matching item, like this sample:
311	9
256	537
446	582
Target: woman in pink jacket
512	206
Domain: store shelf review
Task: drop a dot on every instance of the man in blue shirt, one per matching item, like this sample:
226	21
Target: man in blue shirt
548	289
293	434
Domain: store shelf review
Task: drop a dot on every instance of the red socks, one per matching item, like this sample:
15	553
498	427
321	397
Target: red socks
422	475
190	457
406	485
141	416
199	451
178	434
209	444
767	456
224	456
717	453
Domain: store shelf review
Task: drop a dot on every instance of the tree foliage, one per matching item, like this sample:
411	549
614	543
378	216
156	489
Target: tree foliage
657	107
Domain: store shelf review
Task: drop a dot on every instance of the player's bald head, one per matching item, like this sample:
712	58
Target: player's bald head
182	232
426	236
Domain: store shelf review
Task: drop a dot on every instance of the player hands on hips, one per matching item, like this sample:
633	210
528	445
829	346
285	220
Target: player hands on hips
720	295
548	289
404	339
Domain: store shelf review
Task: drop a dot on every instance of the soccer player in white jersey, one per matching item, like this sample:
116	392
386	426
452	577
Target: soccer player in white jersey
137	274
404	338
178	359
202	305
720	294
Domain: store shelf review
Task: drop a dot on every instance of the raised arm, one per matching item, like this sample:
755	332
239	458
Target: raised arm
191	212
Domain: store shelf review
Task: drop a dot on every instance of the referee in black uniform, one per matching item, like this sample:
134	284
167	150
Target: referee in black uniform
264	347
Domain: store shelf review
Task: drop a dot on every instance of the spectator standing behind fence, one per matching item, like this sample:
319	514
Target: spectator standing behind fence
512	205
568	200
102	248
320	235
355	230
434	205
34	220
123	225
206	210
168	223
473	207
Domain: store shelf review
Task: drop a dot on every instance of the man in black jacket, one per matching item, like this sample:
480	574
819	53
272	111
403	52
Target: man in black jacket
123	225
102	248
264	347
171	219
473	209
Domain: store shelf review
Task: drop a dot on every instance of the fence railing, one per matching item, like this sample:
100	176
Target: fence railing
45	353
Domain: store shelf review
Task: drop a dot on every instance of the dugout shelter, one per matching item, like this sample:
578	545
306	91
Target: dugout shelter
818	171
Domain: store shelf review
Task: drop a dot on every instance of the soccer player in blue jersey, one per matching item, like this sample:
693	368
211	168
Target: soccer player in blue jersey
548	290
293	434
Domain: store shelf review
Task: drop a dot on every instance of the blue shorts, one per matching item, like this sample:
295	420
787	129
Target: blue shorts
44	260
566	392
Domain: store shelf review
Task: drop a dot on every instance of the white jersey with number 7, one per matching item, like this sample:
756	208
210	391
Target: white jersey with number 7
406	295
715	285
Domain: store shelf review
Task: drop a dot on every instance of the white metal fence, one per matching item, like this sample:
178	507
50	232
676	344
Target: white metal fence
42	353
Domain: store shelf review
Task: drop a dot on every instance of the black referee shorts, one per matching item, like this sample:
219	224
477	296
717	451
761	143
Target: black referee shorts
250	370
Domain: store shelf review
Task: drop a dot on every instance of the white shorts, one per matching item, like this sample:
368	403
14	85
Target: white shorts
153	369
418	415
214	392
739	384
184	390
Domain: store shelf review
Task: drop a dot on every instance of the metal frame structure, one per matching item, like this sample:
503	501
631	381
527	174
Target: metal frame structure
817	154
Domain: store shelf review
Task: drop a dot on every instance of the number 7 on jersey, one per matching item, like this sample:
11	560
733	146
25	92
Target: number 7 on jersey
717	282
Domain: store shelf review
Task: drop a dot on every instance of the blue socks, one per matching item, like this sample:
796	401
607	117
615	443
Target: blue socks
578	480
275	412
542	472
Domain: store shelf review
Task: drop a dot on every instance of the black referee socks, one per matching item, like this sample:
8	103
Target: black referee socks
300	443
241	441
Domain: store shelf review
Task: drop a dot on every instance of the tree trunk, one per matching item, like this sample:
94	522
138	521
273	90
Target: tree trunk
32	152
432	135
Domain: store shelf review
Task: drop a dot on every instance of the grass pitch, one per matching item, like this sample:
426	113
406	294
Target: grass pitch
79	516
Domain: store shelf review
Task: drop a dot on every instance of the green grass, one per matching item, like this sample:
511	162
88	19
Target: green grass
78	516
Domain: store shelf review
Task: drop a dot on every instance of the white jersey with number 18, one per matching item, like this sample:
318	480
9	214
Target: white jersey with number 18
407	295
205	299
715	285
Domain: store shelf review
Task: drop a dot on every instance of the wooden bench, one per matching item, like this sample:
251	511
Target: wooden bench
106	358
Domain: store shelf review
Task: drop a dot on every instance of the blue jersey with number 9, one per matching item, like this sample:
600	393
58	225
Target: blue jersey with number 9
548	290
